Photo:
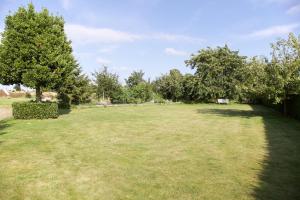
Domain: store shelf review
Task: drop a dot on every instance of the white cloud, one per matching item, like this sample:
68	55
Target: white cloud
81	34
174	52
273	31
103	61
293	10
108	49
177	38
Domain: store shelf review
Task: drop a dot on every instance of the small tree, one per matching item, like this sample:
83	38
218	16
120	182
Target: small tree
141	92
135	78
106	83
284	71
170	86
82	90
34	50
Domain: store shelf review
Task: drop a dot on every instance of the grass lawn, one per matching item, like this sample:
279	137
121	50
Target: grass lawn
6	102
152	152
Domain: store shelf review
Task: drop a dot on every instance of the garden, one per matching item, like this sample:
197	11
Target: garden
228	130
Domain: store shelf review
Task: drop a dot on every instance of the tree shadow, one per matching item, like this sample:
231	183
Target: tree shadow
3	126
64	111
280	176
234	112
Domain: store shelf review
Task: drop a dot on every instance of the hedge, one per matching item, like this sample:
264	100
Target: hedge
293	106
33	110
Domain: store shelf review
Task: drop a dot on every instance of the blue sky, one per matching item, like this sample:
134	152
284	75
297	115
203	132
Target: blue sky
157	35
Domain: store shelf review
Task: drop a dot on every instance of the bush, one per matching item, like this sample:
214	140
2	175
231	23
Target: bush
33	110
28	95
64	101
158	99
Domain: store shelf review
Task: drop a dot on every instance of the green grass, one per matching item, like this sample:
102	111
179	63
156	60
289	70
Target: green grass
152	152
6	102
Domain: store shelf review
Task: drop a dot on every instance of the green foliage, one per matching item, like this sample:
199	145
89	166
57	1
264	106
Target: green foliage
82	90
191	89
107	84
121	95
64	101
34	110
135	78
34	50
283	73
76	89
141	92
218	72
158	98
170	86
138	94
254	77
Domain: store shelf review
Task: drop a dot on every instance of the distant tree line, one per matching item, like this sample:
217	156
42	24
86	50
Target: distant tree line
35	52
223	73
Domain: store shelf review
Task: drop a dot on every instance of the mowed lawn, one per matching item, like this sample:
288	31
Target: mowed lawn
202	151
6	101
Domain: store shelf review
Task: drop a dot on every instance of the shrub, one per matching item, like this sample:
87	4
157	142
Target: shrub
33	110
141	92
28	95
158	99
64	101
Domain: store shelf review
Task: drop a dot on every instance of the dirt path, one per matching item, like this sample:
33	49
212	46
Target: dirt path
5	113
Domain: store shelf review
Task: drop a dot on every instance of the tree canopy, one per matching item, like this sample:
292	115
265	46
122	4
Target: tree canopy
107	83
35	51
283	73
170	85
135	78
218	71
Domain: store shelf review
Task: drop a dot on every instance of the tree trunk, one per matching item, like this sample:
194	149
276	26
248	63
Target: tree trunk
38	94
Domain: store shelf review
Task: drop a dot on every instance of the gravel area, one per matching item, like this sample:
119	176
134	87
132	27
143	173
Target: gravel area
5	113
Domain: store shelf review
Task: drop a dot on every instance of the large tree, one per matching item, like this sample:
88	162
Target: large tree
218	72
35	51
284	71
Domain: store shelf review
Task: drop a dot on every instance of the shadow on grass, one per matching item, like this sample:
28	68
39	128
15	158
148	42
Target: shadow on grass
3	126
64	111
280	177
233	112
